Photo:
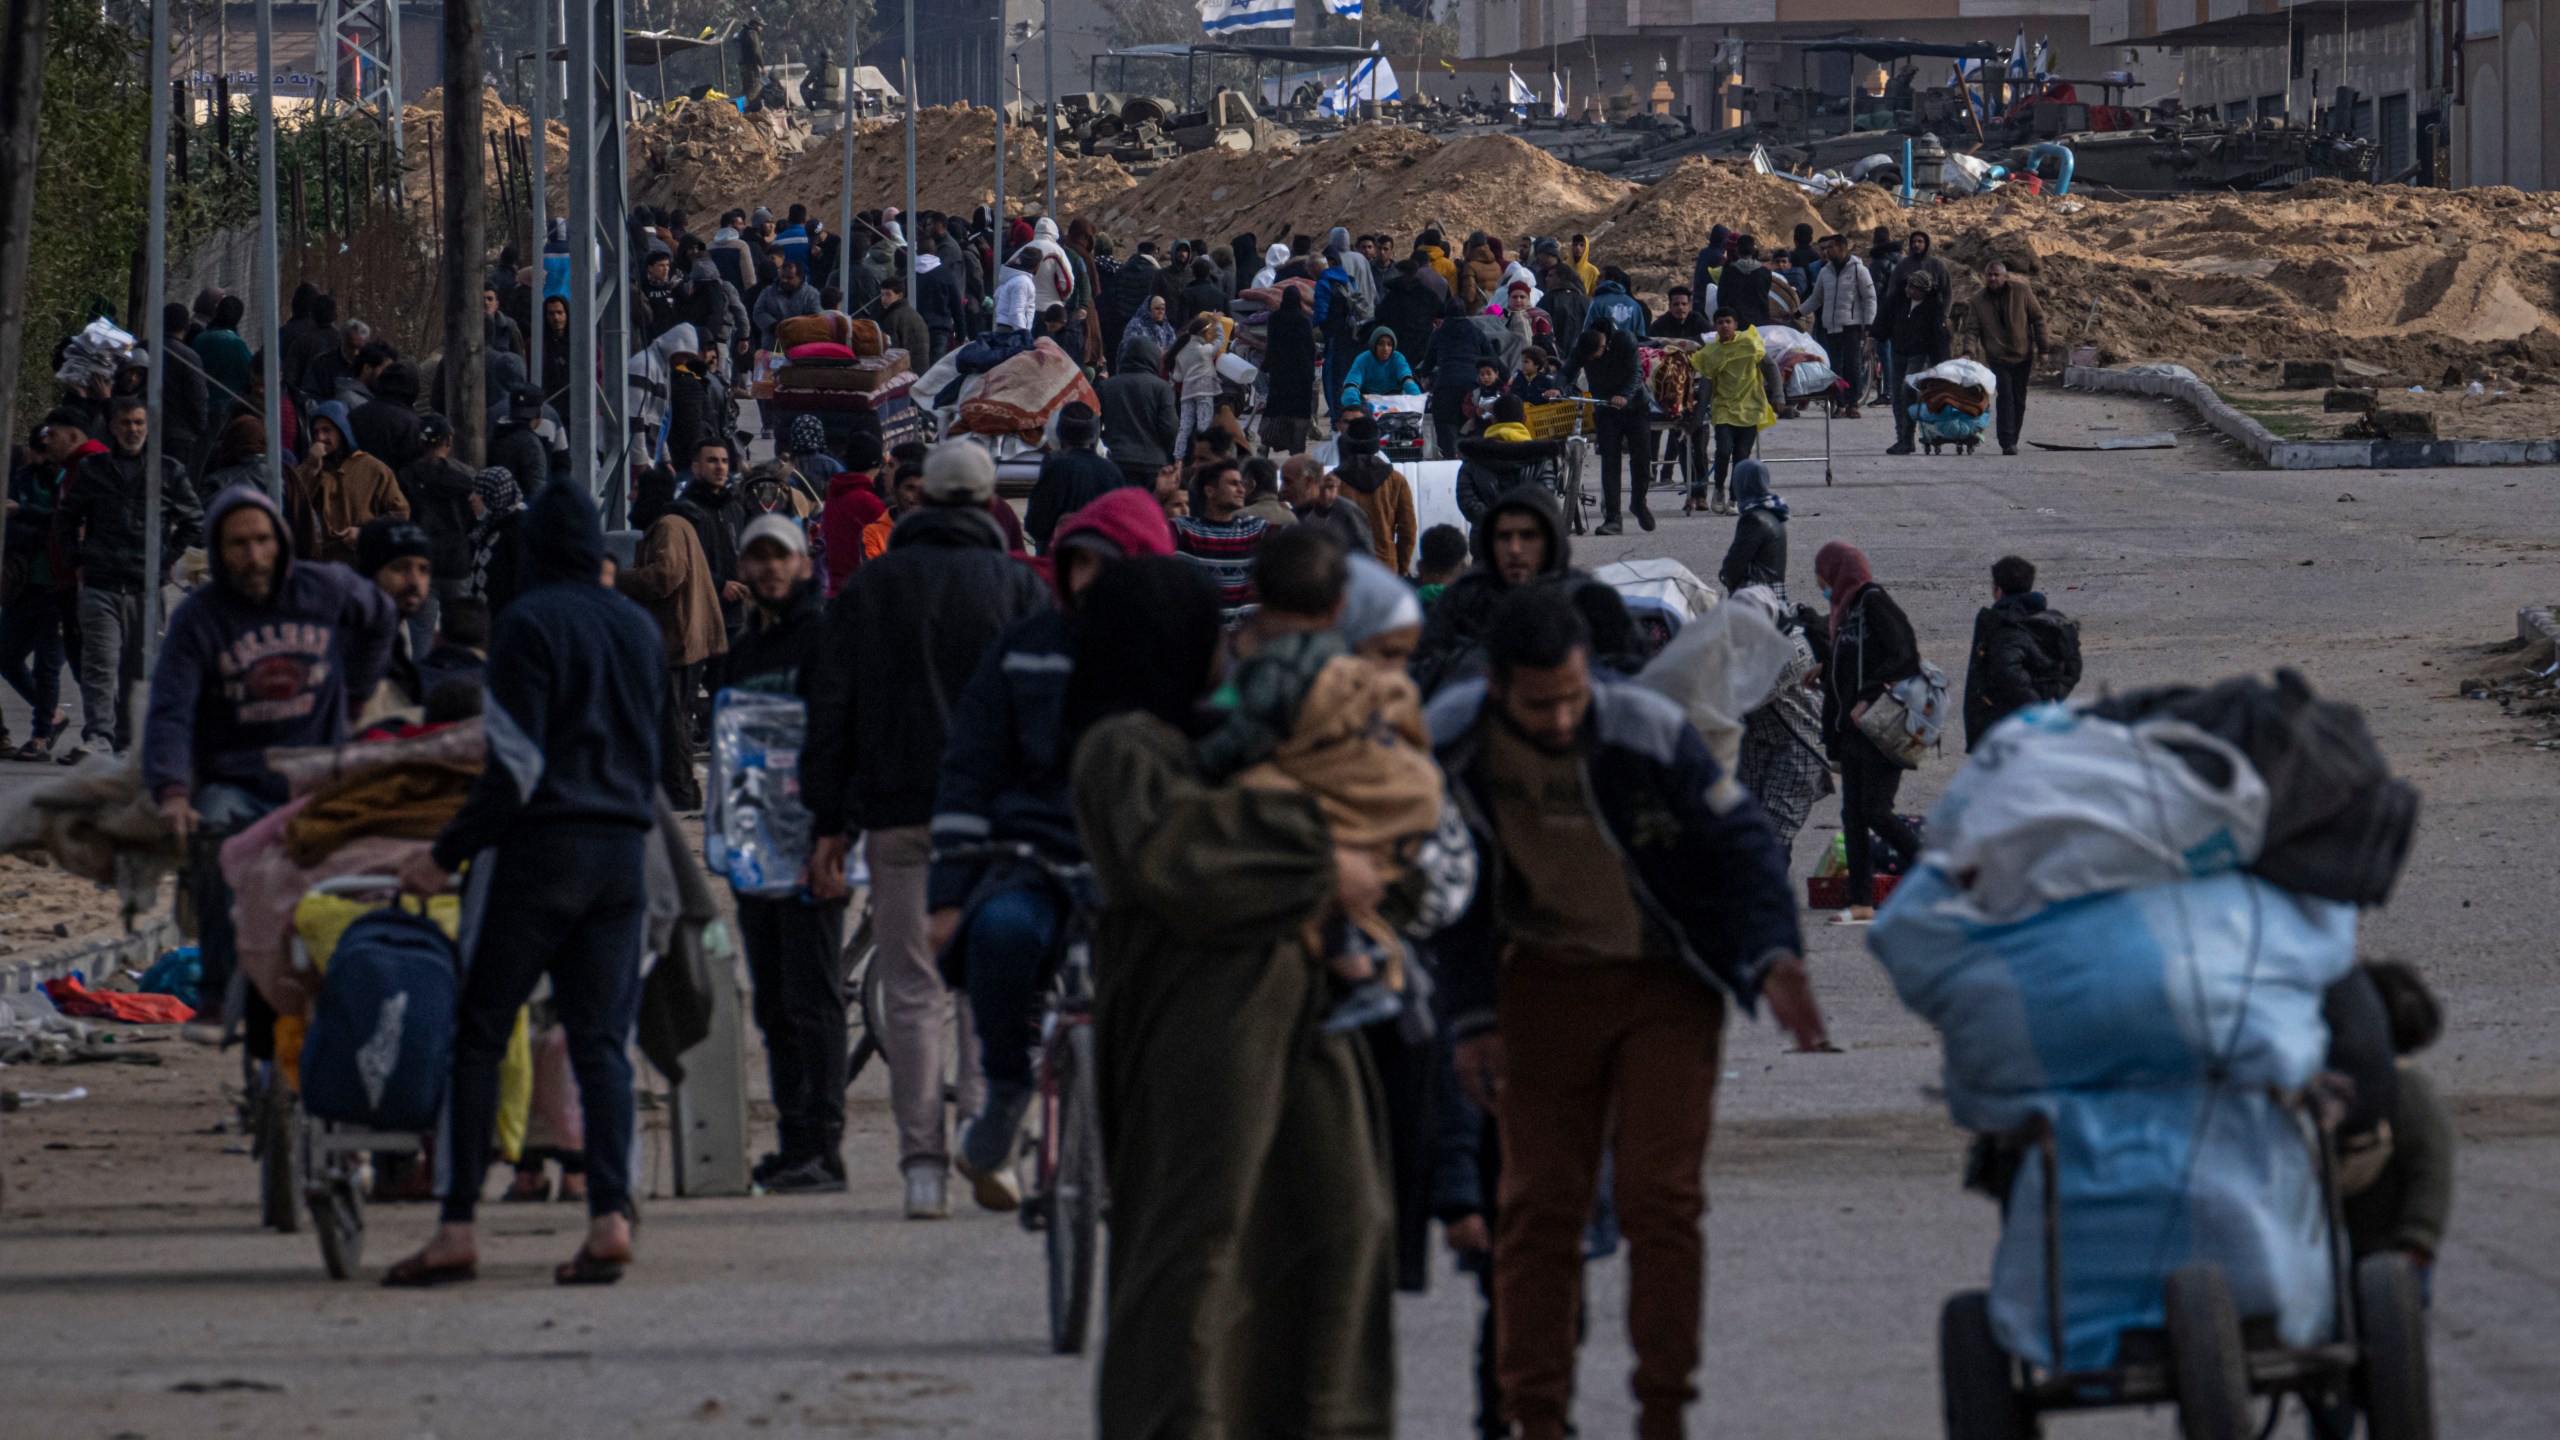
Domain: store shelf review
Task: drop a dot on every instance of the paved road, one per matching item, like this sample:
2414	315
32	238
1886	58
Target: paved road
1838	1226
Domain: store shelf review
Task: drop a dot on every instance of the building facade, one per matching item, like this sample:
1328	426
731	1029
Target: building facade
2506	112
976	50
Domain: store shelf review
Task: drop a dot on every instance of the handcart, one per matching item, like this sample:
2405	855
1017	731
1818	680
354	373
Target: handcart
1564	421
333	1162
2207	1359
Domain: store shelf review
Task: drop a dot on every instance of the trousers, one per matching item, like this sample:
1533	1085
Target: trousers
795	957
1009	935
1602	1056
1868	784
222	811
916	1008
1198	413
566	900
1623	438
31	633
2010	405
110	664
1908	360
675	737
1734	443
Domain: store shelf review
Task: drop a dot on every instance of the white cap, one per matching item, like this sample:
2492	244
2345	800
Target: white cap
781	529
959	472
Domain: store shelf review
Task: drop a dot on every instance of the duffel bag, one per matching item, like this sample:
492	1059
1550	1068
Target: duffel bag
381	1038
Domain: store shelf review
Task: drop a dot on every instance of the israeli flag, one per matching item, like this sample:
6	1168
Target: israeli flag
2018	56
1220	17
1555	92
1343	9
1374	80
1522	97
2044	60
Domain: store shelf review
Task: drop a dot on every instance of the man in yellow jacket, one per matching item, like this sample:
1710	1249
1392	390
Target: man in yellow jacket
1730	367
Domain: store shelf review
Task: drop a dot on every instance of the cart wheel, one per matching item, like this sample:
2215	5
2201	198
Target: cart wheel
279	1158
337	1213
1976	1378
2391	1324
2208	1363
1076	1197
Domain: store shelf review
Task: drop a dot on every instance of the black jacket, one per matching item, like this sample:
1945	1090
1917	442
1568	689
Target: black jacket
576	678
439	495
1200	297
777	654
1450	361
387	426
521	451
1069	481
1758	555
1565	302
1408	307
1455	630
1140	421
2023	654
1125	291
1745	291
902	638
97	522
1618	369
1488	469
1872	648
1289	360
717	521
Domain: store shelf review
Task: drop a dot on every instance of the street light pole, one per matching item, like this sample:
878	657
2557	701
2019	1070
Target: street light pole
155	287
270	286
539	163
1049	111
844	226
913	231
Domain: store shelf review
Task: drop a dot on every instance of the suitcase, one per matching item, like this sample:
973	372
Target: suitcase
381	1038
866	376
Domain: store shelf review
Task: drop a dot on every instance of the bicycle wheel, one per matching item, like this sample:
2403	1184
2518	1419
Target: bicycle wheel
279	1154
337	1213
862	986
1076	1200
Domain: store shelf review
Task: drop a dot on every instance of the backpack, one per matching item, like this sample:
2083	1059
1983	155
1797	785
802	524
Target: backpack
1907	719
381	1038
2059	675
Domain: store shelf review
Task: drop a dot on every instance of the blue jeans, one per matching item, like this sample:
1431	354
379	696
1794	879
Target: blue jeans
222	811
1009	937
31	629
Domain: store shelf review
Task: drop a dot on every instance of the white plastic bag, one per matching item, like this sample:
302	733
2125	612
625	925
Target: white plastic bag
1785	341
1960	372
756	830
1718	669
2055	804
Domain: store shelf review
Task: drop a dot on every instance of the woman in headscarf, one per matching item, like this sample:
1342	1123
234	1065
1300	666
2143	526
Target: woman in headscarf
1269	274
497	541
1758	555
1289	368
1154	324
555	350
239	458
1872	648
1782	764
1251	1257
671	578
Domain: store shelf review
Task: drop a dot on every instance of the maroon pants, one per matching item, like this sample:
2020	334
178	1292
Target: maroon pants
1600	1056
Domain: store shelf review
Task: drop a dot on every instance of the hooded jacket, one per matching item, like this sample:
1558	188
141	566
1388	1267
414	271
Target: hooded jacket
1073	477
1612	302
671	579
1490	464
1140	420
1125	292
326	496
439	496
1005	770
576	681
1713	884
1456	349
1744	290
98	518
1843	295
1289	360
903	637
1364	276
853	502
237	676
2023	654
1758	554
2007	324
386	426
1374	484
1408	307
1370	375
1455	630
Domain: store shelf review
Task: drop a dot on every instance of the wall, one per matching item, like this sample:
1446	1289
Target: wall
2508	130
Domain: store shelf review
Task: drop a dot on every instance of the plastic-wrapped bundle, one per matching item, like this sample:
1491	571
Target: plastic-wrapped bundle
96	353
756	829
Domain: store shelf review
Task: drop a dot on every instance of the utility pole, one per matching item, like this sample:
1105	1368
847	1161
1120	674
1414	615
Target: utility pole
270	286
466	233
914	232
1049	111
844	222
153	331
540	163
21	102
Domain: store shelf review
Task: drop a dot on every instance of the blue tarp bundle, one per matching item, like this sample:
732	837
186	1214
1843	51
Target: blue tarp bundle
2153	1028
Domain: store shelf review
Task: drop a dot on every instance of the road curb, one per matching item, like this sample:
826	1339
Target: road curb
94	954
2539	624
2176	382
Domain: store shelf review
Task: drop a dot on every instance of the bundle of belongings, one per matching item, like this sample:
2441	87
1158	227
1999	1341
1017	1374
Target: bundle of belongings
1019	396
96	353
1668	376
2125	925
1955	399
96	823
1804	366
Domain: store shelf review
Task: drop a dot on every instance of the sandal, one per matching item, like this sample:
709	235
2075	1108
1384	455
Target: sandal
34	751
415	1273
588	1268
528	1188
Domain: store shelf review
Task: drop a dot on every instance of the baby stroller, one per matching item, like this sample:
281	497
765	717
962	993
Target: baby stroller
1403	425
1954	405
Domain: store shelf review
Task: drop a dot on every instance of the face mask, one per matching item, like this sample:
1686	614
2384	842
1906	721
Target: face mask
1826	593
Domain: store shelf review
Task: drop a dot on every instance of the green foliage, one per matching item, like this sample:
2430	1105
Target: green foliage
92	192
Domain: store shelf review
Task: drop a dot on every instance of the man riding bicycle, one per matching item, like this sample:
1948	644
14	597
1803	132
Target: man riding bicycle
998	923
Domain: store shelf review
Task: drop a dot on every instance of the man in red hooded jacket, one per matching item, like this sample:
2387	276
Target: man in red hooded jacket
853	502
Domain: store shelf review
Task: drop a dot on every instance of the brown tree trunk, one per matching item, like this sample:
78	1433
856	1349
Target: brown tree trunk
21	102
466	232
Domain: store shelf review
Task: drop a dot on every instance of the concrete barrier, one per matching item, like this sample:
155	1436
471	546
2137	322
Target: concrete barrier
2176	382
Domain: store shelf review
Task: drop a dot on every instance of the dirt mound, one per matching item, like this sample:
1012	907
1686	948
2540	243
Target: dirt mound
1858	210
2416	282
702	156
1656	235
955	169
1375	178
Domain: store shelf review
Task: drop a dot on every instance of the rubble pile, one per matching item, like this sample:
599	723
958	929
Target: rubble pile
955	169
1656	235
704	155
1373	178
1859	209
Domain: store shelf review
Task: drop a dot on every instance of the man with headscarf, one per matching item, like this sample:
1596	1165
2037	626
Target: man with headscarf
903	637
671	578
497	539
272	652
556	830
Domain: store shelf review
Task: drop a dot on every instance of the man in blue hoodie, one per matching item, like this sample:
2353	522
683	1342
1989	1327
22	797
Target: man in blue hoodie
555	831
274	652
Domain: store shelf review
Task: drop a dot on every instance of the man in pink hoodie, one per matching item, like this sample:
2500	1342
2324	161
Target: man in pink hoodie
853	502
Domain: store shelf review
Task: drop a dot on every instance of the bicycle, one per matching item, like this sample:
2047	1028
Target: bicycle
1069	1196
